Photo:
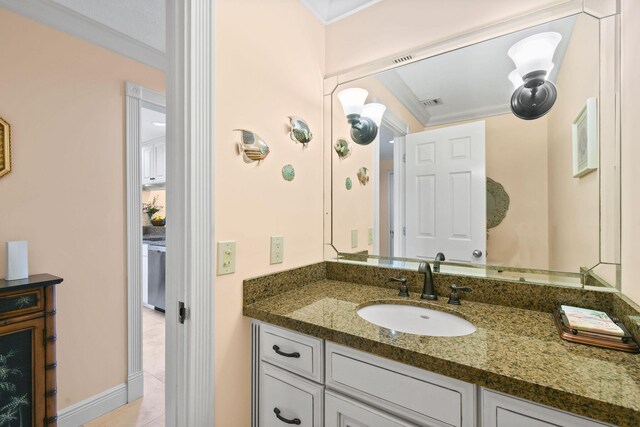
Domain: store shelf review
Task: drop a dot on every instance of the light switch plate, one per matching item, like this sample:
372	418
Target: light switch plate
277	249
354	238
226	257
370	236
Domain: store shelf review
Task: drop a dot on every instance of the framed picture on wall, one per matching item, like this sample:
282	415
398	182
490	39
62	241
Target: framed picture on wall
585	139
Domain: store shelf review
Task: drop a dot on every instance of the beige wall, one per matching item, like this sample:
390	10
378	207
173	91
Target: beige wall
574	216
269	65
394	26
516	156
386	166
630	149
64	99
161	194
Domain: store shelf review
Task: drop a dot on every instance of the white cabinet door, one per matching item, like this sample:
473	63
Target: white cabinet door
340	411
500	410
160	150
288	399
147	164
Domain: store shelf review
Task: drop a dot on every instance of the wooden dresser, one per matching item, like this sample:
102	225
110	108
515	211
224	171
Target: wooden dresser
28	351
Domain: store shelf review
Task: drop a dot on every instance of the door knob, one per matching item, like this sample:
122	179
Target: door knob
477	253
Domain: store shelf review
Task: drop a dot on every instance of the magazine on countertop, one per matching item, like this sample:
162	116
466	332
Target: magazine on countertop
587	320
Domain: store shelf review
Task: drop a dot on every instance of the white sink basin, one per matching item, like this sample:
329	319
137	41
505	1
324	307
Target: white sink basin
416	320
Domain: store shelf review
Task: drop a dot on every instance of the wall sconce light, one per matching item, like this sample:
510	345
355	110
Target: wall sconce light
364	118
533	56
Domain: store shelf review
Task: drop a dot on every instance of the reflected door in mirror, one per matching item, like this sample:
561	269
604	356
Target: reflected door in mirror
446	193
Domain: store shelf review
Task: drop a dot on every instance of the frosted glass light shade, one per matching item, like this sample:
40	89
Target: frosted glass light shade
516	79
352	100
374	111
535	53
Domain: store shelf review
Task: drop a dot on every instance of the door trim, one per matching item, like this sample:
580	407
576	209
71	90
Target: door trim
135	96
390	210
190	199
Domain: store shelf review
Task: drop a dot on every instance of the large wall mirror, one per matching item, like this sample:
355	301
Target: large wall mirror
453	170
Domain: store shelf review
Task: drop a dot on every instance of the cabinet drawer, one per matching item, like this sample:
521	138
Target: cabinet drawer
340	411
298	353
287	399
420	396
500	410
20	303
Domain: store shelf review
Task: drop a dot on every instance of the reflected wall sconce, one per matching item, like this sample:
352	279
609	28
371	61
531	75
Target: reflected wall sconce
364	118
533	56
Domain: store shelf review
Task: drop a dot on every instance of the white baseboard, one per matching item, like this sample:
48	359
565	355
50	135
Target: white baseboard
136	386
93	407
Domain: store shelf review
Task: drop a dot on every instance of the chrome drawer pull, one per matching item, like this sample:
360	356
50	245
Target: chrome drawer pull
277	350
295	421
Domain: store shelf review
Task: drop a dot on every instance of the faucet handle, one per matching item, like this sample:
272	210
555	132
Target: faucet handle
404	289
454	298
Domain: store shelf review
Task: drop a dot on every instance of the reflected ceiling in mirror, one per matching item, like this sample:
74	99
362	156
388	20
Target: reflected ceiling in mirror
448	128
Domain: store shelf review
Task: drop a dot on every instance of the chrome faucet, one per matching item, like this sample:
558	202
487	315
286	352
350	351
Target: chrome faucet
429	289
436	263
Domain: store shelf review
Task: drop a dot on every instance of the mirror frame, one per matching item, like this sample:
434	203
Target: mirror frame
598	9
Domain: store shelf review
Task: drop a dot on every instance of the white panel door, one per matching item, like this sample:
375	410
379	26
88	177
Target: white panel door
446	193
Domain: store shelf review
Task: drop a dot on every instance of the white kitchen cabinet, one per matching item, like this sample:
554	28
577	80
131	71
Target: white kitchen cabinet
153	157
286	398
341	411
501	410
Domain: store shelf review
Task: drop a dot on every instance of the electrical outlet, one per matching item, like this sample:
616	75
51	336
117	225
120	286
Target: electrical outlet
370	236
277	249
226	257
354	238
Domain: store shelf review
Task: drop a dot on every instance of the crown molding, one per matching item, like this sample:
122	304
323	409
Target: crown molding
61	18
328	21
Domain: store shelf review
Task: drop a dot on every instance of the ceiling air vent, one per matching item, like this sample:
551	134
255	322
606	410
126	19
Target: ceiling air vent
433	102
402	59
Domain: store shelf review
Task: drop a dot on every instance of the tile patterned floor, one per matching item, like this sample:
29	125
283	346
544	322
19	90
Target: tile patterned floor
149	410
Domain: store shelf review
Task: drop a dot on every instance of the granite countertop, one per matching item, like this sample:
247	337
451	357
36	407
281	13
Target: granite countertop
515	351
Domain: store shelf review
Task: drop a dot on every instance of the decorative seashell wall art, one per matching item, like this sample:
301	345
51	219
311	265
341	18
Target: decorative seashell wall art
342	148
288	172
300	131
362	175
253	148
348	184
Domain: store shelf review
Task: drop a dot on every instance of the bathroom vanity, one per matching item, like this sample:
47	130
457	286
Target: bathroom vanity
455	170
315	362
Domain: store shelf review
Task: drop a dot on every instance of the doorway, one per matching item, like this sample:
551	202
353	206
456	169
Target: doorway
388	155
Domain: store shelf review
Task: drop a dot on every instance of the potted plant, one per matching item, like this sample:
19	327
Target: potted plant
151	208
